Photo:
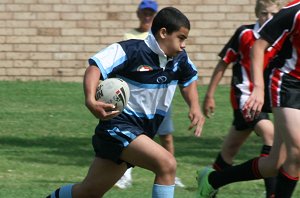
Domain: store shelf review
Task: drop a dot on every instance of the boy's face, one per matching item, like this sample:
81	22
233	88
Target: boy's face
174	43
266	13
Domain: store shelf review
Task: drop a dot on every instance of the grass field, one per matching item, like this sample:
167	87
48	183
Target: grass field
45	141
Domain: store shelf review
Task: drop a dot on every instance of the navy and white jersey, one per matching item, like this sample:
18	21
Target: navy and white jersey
152	78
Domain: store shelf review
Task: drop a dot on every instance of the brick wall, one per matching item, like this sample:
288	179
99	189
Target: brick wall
52	39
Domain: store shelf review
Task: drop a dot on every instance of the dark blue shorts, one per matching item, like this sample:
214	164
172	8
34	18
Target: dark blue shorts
110	139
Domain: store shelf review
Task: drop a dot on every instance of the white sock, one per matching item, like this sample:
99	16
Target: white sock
127	174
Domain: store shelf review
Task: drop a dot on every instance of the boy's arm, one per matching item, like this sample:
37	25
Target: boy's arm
99	109
190	94
209	100
253	105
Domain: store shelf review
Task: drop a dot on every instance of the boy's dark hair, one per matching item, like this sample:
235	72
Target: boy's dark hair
171	19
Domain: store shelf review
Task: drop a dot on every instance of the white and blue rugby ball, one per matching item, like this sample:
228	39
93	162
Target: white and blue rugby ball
113	91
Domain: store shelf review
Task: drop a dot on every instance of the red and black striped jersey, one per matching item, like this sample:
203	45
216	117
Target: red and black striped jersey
283	32
237	51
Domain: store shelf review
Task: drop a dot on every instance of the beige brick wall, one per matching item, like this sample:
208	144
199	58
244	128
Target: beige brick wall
52	39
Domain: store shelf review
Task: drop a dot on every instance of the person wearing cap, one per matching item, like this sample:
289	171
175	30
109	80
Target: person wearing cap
145	13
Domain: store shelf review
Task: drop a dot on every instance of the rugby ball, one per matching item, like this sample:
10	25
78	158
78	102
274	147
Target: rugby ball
113	91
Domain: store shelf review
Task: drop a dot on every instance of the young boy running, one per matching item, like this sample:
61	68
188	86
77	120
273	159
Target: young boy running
237	51
145	13
152	68
282	33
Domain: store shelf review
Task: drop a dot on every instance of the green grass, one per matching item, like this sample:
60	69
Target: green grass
45	142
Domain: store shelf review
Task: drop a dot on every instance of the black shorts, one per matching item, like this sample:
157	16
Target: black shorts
285	90
241	124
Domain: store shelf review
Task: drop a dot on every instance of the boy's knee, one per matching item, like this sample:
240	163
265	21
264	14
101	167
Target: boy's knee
166	166
173	164
294	155
170	165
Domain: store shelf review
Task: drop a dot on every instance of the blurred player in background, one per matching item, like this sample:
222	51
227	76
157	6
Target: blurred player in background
237	51
145	13
282	33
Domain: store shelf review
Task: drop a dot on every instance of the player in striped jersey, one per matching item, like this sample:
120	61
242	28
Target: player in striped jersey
145	13
152	68
282	32
237	52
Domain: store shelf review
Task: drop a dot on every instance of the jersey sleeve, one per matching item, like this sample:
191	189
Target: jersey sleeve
188	72
229	53
278	26
108	59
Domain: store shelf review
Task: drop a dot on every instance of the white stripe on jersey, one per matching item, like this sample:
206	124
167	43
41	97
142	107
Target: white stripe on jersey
290	64
244	87
278	90
106	61
146	100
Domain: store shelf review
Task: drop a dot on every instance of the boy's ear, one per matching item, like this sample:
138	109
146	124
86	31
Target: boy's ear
163	33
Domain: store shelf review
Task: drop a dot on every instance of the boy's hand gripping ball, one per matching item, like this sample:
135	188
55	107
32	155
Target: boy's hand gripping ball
113	91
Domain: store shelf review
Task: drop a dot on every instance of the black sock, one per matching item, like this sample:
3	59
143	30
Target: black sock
265	150
220	164
243	172
270	186
270	183
285	184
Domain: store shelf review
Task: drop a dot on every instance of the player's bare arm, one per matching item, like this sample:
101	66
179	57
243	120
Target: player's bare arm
99	109
253	105
209	100
190	94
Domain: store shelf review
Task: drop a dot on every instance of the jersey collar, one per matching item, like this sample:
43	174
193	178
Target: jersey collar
154	46
255	30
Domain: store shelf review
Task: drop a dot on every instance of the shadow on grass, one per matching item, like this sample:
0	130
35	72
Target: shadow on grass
48	149
78	151
204	150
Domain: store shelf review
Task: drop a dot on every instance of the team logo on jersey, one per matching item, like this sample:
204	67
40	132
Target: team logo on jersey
161	79
144	68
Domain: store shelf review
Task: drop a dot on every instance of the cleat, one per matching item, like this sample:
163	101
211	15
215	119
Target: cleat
205	190
178	182
124	182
